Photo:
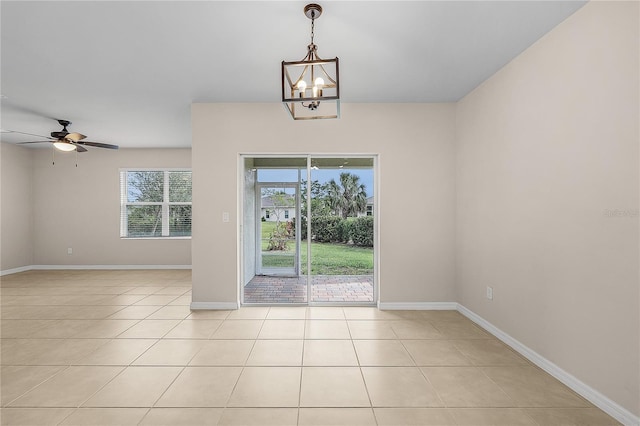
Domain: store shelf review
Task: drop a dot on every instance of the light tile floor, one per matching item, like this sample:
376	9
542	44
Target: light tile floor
123	348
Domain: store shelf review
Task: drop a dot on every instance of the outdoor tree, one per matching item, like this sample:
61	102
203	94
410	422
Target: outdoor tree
148	187
145	187
319	201
180	191
347	198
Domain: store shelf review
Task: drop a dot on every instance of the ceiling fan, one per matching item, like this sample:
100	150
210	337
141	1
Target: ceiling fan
65	141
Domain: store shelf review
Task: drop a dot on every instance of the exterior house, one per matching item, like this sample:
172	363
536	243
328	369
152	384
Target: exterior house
278	207
369	209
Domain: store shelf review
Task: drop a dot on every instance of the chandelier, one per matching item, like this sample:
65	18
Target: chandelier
310	87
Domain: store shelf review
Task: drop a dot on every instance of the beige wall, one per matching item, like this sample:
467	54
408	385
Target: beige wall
415	143
79	207
545	148
16	207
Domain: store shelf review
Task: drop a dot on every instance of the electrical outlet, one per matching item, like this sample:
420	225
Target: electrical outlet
490	293
69	251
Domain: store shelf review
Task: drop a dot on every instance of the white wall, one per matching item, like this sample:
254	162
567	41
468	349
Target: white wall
79	207
545	148
415	143
16	207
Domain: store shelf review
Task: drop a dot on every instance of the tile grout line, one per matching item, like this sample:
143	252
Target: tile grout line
66	367
131	364
364	382
124	368
304	338
153	405
226	404
144	416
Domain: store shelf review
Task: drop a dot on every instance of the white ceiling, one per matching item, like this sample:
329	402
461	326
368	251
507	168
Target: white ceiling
126	72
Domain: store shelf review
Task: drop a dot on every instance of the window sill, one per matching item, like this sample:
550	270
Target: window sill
155	238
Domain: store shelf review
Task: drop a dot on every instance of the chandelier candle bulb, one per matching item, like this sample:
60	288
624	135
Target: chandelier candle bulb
318	84
302	87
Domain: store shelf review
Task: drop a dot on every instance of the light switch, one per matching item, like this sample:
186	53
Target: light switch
225	216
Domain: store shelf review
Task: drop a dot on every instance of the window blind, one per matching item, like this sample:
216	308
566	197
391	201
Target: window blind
155	203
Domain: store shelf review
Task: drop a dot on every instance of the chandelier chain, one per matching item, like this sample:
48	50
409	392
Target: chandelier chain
313	21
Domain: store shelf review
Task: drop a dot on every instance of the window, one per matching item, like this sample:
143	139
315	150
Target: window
155	203
286	214
369	210
267	214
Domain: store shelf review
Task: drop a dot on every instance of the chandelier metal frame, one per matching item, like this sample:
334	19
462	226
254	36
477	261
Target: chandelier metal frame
311	86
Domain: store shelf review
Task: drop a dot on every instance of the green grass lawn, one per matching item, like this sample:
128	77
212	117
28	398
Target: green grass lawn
338	259
326	258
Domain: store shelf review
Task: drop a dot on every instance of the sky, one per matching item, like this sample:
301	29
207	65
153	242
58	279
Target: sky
321	175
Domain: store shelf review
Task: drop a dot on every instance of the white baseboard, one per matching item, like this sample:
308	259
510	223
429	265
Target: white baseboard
88	267
15	270
108	267
212	306
417	306
613	409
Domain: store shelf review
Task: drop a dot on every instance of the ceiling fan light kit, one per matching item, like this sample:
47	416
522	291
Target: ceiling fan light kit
64	146
311	86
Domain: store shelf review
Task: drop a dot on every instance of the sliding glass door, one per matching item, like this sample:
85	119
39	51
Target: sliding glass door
342	230
308	233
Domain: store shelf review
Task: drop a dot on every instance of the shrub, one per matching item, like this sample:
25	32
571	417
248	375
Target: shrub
362	231
344	230
279	238
303	228
334	229
325	228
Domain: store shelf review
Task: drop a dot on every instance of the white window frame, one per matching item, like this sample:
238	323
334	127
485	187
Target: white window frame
122	175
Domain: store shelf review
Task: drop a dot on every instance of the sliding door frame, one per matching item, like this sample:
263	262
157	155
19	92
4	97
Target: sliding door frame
240	226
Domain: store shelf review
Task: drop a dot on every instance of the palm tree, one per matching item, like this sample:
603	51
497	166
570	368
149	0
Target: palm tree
347	198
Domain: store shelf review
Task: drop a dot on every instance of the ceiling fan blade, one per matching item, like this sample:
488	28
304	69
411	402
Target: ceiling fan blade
79	148
75	137
98	145
10	104
23	133
22	143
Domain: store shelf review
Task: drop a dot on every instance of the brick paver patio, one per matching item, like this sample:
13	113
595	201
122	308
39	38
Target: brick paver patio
324	288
